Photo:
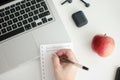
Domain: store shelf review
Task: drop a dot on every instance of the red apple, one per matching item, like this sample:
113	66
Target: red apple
103	45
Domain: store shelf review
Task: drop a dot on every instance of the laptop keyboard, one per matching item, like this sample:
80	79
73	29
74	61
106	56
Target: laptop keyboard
23	16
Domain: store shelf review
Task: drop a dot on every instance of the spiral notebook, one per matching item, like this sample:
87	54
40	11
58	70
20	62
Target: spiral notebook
46	52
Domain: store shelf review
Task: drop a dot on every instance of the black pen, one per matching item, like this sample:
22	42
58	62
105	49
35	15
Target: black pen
76	64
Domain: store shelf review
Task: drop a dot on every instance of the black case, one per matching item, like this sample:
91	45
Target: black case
117	77
79	18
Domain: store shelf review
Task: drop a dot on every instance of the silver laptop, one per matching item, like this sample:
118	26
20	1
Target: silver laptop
24	25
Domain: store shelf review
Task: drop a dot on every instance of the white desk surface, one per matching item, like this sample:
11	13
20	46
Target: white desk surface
103	17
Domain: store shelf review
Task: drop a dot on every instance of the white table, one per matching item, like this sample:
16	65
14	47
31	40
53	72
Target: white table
103	17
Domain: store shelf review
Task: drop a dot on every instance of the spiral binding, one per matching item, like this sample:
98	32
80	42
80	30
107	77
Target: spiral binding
42	57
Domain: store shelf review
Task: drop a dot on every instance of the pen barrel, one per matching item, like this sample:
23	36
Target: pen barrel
76	64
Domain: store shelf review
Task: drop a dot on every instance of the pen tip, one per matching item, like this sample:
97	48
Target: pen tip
85	68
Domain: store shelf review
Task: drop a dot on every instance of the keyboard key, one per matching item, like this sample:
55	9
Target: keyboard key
44	14
12	16
25	16
1	20
27	9
23	6
6	18
10	34
22	12
44	5
44	20
17	14
3	30
7	8
30	19
25	22
30	14
41	10
40	23
9	28
33	24
35	17
28	4
4	24
10	22
32	7
50	19
27	27
19	24
38	5
17	8
7	12
2	14
20	18
12	6
14	26
33	2
36	12
12	10
17	4
15	20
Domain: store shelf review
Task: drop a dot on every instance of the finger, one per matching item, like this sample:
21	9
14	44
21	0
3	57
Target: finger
66	52
56	61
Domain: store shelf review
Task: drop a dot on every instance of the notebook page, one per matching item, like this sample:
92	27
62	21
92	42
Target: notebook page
46	52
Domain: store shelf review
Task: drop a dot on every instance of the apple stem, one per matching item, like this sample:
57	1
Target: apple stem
105	34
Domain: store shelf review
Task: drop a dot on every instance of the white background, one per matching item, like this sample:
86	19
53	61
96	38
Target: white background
103	17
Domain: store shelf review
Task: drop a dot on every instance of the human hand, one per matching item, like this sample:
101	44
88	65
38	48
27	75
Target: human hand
62	70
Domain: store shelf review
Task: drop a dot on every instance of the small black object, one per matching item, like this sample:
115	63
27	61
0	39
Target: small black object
117	77
79	18
86	4
69	1
85	68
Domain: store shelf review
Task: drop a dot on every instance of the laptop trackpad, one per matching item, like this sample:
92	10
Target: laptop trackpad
20	50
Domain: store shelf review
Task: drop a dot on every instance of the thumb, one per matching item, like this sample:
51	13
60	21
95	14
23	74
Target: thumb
56	61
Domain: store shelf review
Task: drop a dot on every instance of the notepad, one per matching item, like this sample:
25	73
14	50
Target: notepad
46	51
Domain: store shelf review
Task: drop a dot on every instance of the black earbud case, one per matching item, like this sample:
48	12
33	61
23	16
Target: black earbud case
79	19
